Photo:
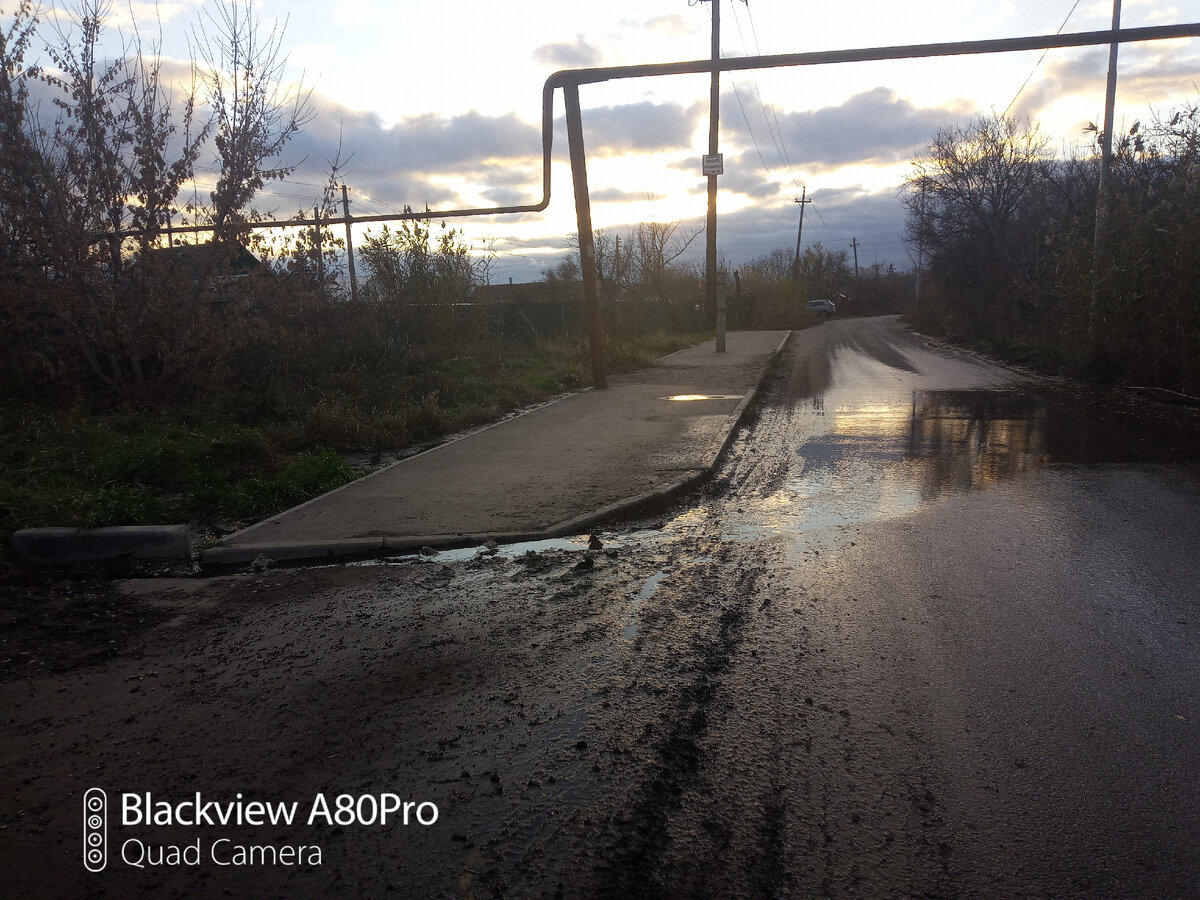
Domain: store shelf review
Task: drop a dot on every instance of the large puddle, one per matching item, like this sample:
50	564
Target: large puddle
878	455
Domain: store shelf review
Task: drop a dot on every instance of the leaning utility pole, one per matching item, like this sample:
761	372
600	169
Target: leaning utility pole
854	244
803	201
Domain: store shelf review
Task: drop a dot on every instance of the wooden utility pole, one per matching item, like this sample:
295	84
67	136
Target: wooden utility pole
714	112
320	249
854	245
349	245
1100	241
803	201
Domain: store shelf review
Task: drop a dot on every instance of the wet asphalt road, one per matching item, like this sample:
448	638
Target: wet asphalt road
932	632
958	649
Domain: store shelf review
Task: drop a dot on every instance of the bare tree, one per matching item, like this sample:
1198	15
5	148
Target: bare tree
15	143
975	202
564	278
256	113
641	260
101	155
779	264
155	179
316	251
656	246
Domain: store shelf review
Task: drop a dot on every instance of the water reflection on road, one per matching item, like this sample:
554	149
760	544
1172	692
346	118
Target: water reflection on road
874	445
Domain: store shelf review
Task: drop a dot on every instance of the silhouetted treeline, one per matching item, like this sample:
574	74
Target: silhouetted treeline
1008	238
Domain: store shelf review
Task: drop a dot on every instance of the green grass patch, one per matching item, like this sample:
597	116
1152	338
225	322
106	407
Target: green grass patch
244	457
85	470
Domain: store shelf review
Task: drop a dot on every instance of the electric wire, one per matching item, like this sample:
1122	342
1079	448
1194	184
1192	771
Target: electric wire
825	224
775	135
781	145
737	93
750	129
1038	64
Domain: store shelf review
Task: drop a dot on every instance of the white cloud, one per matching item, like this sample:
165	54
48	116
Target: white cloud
577	54
673	25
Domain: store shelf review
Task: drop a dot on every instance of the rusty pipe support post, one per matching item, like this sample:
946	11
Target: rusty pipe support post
587	246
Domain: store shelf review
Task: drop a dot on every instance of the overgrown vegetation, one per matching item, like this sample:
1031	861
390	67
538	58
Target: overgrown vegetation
642	270
148	380
771	290
1008	232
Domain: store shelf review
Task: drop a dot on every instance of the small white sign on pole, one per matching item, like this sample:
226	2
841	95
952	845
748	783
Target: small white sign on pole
713	164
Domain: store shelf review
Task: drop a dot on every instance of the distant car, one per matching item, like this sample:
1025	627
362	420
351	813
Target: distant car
823	308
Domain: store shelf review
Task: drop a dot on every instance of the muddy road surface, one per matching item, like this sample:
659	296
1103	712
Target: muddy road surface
933	631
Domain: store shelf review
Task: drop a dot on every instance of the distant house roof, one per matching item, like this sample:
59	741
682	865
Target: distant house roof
209	258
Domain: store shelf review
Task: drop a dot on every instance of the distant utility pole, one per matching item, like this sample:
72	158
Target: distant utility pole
854	244
803	201
349	245
712	164
320	249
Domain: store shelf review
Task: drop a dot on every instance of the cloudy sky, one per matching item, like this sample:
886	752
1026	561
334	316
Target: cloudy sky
440	105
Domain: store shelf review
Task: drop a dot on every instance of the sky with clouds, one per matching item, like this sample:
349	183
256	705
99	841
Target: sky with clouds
439	105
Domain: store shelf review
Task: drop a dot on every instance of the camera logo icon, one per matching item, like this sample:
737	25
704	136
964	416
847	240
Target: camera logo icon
95	830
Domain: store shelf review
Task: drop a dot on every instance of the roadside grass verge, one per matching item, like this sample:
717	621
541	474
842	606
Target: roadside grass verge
233	460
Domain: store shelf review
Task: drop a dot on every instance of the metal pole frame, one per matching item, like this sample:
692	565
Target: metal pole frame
1100	238
710	219
349	244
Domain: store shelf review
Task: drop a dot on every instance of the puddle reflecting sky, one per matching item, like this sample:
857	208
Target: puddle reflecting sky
872	455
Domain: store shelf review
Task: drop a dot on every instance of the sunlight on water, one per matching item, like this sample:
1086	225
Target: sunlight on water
872	456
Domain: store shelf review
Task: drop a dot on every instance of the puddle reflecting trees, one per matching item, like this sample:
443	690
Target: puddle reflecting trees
870	455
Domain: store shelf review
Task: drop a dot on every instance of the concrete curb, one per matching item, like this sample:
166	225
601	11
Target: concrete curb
374	547
80	546
354	548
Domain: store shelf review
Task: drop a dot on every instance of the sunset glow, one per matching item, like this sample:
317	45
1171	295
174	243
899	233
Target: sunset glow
439	106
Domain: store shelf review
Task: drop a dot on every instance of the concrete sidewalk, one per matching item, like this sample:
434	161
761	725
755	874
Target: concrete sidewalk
560	469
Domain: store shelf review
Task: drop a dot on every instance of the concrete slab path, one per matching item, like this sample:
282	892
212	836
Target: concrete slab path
559	469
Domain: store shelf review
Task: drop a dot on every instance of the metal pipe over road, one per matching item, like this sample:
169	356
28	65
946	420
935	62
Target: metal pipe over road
578	77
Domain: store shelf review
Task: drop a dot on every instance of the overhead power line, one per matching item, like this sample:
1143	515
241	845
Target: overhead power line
787	163
773	130
750	129
1038	64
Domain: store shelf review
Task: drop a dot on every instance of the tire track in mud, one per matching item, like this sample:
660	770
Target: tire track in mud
677	799
756	465
677	767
